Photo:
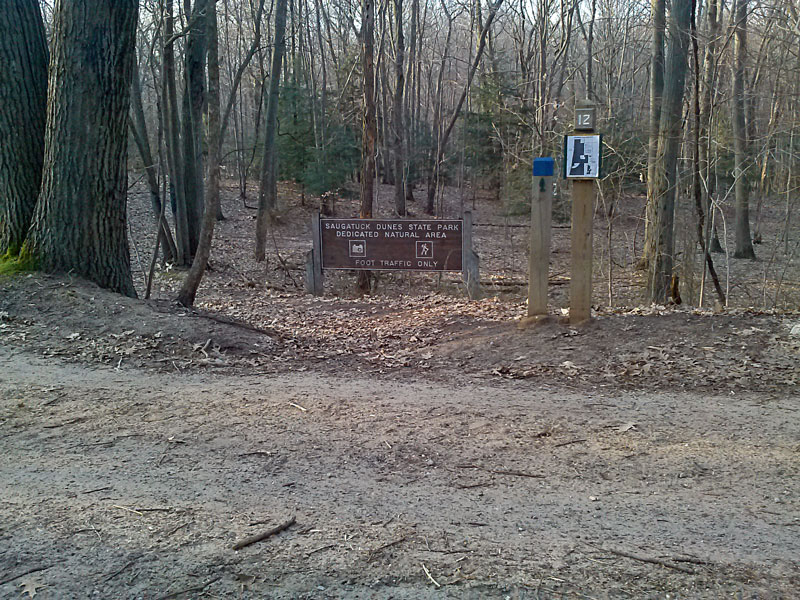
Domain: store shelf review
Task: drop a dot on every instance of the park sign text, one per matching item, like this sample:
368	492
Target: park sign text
392	244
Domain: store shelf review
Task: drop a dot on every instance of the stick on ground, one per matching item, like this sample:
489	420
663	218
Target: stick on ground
262	536
646	559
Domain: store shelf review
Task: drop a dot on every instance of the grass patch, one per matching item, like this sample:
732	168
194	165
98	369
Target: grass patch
11	264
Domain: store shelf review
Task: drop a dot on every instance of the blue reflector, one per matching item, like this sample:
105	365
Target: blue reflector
543	167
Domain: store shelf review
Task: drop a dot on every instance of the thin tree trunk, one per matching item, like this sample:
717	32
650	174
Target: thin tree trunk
697	166
193	101
86	145
173	141
23	99
370	132
399	121
709	85
268	190
744	243
656	94
669	143
188	292
138	128
457	110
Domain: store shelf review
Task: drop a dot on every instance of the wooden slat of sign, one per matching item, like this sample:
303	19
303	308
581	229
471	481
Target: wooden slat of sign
392	244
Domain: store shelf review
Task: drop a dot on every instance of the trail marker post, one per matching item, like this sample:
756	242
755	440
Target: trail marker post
541	218
582	164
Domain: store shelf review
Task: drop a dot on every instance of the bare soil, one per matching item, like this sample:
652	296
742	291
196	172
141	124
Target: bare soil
426	446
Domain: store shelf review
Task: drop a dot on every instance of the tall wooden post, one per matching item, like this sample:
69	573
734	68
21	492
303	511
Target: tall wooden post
582	164
541	218
315	282
469	260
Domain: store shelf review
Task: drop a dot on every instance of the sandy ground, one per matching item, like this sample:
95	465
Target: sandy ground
120	483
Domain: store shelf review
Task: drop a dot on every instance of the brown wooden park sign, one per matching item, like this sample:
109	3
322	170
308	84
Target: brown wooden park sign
392	245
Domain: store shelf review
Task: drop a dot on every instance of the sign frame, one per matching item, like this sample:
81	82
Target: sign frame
419	248
599	158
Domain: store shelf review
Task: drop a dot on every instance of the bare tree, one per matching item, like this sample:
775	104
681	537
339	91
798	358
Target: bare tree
268	191
188	290
744	243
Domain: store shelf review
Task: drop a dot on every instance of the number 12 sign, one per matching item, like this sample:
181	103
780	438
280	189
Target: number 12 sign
582	156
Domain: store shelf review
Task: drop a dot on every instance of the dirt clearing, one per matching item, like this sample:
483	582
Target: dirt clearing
118	483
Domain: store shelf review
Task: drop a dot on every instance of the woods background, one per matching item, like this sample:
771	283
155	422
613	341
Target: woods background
698	103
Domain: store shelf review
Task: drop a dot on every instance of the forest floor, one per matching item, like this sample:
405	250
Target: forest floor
424	445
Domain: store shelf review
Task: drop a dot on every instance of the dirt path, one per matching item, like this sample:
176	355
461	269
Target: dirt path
131	484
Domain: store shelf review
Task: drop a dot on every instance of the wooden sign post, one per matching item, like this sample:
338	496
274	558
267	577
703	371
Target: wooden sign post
541	218
582	155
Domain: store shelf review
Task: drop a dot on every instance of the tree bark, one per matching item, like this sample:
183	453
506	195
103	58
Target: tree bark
669	144
268	189
23	100
188	292
744	242
80	222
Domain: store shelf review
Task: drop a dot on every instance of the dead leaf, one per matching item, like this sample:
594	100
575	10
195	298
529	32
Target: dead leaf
29	585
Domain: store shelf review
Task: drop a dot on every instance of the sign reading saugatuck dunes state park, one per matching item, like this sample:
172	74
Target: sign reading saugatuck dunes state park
392	244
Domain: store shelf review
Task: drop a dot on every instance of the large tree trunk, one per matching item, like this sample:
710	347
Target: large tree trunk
268	189
23	100
80	222
658	9
188	291
744	243
669	144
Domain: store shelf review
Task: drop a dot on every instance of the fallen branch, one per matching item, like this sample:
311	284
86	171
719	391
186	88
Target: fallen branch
428	573
100	489
320	549
130	510
28	572
130	564
469	486
388	545
262	536
568	443
516	473
198	588
652	561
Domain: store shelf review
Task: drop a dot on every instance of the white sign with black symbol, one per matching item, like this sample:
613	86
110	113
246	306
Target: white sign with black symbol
582	156
424	249
358	248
